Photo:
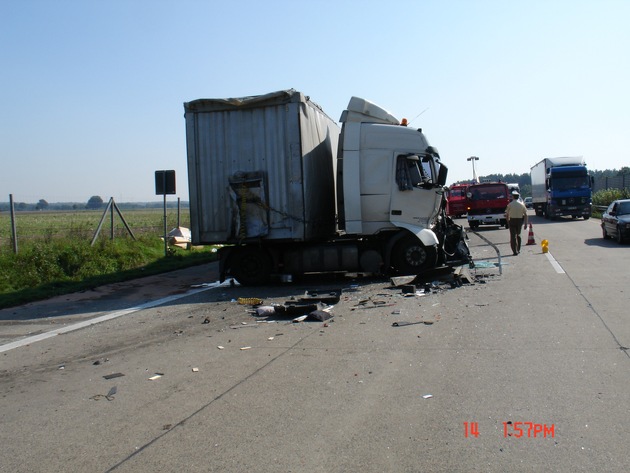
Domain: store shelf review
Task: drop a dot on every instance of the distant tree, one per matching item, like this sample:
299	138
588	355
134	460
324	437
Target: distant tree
623	171
41	205
21	206
95	202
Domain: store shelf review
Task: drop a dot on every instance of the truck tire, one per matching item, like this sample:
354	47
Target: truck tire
250	266
410	256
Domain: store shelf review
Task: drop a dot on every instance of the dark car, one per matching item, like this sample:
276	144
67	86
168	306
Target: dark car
616	221
528	203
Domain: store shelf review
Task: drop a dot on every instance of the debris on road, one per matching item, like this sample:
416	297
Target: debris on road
404	324
113	375
319	315
109	396
156	376
249	301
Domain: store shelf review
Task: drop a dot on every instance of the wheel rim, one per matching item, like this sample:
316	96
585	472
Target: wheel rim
412	257
415	256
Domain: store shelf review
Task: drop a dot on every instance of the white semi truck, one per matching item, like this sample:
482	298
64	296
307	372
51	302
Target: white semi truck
274	179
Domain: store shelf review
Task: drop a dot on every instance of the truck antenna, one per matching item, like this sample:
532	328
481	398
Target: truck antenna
418	115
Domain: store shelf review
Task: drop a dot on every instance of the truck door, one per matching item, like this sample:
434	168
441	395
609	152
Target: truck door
415	198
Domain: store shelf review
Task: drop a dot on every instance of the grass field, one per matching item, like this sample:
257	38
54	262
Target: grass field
55	254
82	224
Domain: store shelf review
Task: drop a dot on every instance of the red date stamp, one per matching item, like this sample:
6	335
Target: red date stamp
515	429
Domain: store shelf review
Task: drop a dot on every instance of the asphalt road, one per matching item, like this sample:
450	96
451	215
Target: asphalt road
524	368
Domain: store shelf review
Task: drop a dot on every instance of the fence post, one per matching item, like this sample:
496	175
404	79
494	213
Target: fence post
13	225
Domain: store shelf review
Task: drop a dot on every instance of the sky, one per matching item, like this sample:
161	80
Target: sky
92	92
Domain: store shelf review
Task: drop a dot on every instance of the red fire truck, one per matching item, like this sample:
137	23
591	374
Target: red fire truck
456	200
486	204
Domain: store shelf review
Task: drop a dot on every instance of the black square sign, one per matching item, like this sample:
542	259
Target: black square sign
164	182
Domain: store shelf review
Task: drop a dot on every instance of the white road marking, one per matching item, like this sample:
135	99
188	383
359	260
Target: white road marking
555	264
104	318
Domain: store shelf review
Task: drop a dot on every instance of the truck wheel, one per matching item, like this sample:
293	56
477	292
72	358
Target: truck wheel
586	217
412	257
251	266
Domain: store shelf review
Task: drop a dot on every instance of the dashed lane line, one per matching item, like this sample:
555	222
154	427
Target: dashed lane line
555	264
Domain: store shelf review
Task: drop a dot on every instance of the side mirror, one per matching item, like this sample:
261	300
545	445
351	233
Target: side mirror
442	175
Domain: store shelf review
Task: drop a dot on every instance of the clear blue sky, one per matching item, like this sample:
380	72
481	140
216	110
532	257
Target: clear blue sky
92	92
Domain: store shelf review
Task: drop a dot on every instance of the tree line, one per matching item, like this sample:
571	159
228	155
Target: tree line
525	182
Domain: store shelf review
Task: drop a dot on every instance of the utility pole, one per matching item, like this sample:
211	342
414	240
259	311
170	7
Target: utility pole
473	159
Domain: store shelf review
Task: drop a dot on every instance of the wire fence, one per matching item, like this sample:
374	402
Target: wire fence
33	227
616	182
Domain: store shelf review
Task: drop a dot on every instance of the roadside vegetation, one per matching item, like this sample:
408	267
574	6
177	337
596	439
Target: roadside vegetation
55	255
603	198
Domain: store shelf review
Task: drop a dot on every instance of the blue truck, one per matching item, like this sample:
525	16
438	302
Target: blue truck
562	187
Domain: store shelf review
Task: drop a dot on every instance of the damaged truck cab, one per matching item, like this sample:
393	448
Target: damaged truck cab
274	178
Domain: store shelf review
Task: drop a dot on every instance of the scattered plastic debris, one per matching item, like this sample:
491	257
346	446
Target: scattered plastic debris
220	347
156	376
246	348
427	396
250	301
113	375
109	396
195	370
265	311
404	324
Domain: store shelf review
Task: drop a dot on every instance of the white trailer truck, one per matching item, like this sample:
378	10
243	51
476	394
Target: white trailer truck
272	177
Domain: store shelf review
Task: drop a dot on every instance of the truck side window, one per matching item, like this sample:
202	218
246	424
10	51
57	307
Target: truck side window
407	173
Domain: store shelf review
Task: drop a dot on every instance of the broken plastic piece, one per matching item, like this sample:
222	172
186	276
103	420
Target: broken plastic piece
319	315
265	311
113	375
250	301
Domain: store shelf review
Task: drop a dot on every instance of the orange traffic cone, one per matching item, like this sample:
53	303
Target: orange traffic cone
530	238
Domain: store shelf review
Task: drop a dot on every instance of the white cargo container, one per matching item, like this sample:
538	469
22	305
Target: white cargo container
272	176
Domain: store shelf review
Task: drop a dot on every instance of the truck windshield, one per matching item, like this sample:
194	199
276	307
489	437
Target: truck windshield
570	183
488	192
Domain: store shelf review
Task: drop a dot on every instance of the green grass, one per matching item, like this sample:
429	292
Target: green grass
55	255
